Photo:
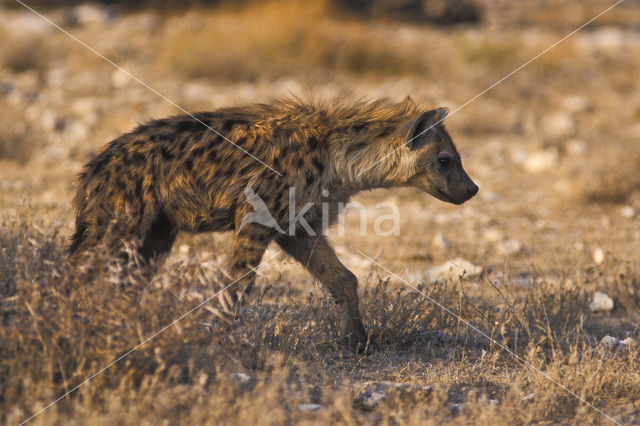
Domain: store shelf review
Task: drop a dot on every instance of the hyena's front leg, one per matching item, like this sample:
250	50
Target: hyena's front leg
249	244
317	256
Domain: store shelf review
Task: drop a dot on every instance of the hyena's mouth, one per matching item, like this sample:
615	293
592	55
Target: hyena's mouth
442	193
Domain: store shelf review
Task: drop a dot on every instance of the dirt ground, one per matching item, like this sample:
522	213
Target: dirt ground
511	338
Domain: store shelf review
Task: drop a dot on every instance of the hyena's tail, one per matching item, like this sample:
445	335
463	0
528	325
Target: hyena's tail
80	204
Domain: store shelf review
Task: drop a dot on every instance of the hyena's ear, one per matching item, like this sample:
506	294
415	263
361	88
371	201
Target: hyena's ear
420	129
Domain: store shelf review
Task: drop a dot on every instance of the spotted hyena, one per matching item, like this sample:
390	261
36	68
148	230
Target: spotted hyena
176	174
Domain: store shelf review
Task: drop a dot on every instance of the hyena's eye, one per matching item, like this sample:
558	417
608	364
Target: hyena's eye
444	161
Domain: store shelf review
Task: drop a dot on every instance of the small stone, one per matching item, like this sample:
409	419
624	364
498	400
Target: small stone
510	247
493	235
529	397
453	269
241	377
541	161
627	341
628	212
184	249
494	402
370	395
558	125
601	303
576	147
203	378
609	342
575	104
598	256
309	407
440	242
120	78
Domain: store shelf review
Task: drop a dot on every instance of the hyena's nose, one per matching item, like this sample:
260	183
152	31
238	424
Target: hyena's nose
472	190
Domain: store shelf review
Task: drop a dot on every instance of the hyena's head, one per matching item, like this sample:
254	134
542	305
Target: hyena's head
436	162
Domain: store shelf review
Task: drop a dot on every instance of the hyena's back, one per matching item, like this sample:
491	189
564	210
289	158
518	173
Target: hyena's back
167	176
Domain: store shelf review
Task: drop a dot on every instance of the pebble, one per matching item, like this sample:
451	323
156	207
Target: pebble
120	79
612	343
576	147
510	247
628	212
310	407
241	377
609	342
601	302
453	269
540	161
370	395
598	256
529	397
558	125
575	104
493	235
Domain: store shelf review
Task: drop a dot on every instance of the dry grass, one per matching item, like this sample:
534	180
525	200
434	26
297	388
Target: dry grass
61	324
18	137
276	38
24	52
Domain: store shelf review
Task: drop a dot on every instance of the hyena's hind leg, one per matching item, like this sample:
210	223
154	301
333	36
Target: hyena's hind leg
158	241
249	245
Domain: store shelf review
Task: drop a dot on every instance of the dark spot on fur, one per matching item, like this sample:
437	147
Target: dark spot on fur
100	163
138	157
188	164
318	165
167	154
189	126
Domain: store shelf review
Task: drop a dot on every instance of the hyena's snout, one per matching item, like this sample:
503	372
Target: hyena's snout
464	189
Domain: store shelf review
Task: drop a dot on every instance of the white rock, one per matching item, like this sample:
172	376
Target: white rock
440	242
241	377
309	407
628	212
627	341
510	247
609	342
369	395
183	249
598	256
576	104
558	125
93	14
494	402
120	78
529	397
576	147
493	235
540	161
453	269
601	302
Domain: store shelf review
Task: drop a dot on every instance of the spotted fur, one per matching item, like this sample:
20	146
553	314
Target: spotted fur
175	174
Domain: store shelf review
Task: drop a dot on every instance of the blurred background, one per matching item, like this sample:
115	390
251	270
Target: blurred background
560	135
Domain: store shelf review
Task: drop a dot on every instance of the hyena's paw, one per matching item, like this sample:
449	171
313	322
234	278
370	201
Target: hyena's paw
355	337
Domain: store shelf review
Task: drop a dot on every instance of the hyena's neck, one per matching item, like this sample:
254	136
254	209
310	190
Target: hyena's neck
376	165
